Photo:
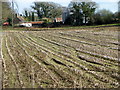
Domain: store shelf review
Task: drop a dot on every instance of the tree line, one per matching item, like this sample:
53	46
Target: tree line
86	13
78	13
43	10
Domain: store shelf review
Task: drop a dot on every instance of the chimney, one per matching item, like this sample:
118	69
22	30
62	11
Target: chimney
16	15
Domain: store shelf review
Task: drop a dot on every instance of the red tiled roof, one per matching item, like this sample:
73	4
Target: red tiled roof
21	18
6	23
60	19
37	22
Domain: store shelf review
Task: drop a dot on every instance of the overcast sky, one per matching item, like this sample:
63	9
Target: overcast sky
107	4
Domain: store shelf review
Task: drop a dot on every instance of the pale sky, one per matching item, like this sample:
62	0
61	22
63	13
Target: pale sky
107	4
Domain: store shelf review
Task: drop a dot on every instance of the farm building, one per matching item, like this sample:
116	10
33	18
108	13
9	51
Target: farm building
18	19
30	24
58	19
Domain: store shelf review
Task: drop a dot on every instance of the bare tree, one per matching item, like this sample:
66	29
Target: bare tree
47	9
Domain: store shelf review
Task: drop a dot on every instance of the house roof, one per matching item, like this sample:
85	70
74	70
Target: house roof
20	18
59	19
36	22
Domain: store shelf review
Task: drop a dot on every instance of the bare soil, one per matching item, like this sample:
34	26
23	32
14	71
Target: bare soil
81	58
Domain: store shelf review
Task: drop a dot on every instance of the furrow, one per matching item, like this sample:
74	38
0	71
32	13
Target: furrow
16	66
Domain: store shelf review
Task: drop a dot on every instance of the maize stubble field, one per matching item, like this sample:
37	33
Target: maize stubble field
83	58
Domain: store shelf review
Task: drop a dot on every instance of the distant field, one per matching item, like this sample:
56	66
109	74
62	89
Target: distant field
9	28
85	58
